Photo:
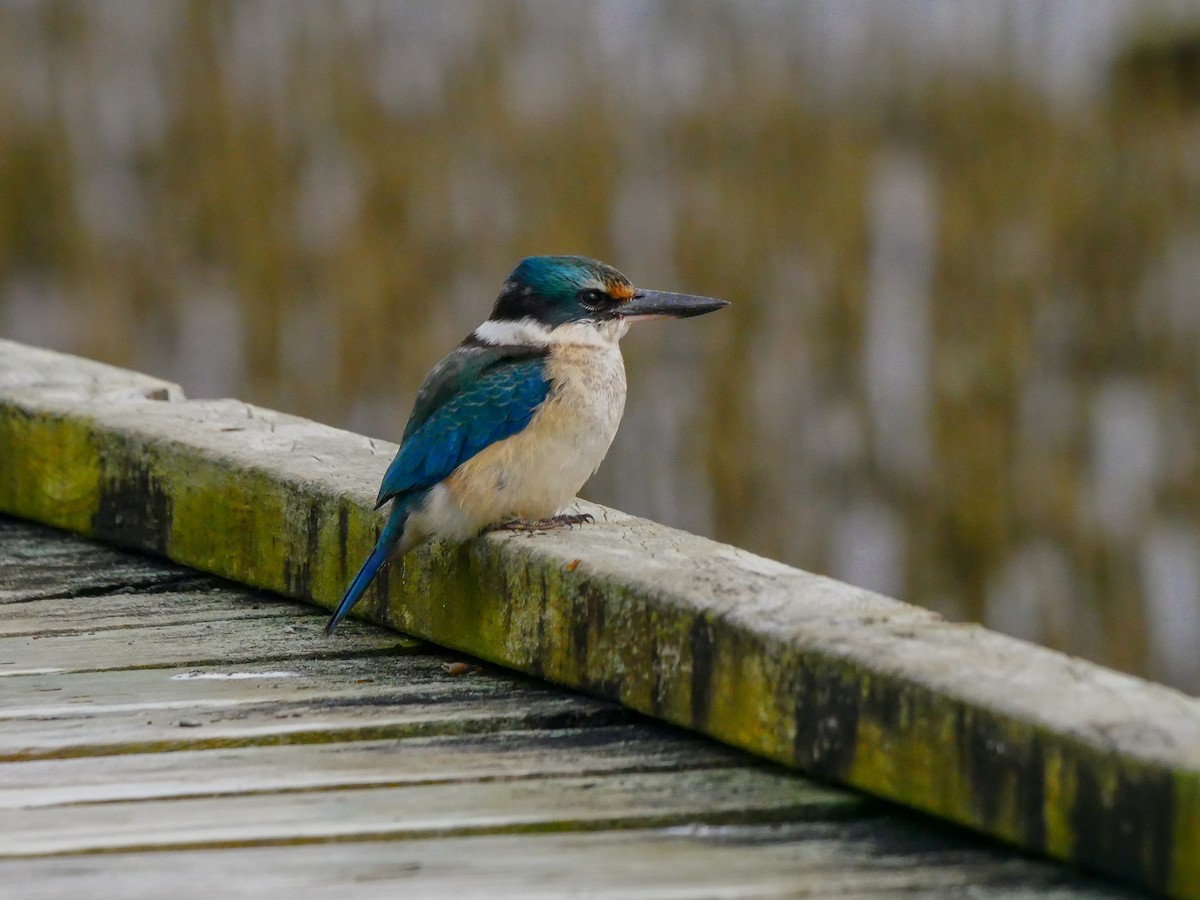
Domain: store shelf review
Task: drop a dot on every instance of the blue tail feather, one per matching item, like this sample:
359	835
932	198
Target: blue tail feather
392	532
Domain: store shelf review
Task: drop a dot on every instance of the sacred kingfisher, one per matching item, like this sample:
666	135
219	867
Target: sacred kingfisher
509	426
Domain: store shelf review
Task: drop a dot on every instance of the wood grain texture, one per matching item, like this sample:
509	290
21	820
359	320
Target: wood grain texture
276	774
180	603
491	756
291	724
221	641
879	859
1047	752
410	676
543	804
38	565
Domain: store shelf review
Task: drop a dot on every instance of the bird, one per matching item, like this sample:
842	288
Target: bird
507	428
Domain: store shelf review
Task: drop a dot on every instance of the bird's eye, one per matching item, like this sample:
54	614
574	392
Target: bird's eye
592	299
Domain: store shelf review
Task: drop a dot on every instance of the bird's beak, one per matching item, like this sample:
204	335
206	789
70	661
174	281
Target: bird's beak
662	304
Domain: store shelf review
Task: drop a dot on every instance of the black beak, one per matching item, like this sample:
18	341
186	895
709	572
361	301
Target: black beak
649	304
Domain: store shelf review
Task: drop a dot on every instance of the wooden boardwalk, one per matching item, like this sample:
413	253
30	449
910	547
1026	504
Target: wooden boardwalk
167	733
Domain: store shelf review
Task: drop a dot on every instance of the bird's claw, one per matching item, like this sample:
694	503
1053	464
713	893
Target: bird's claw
545	524
574	519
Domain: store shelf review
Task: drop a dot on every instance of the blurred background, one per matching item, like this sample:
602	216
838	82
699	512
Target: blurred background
962	241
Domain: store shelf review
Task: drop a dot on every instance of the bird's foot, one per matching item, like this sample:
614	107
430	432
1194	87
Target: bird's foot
566	520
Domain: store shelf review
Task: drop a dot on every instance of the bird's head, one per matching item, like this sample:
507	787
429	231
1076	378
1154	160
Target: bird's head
553	291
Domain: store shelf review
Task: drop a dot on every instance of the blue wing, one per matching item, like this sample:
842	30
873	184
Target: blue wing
461	410
477	395
458	370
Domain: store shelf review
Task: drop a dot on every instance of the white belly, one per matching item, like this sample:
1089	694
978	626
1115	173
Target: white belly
536	473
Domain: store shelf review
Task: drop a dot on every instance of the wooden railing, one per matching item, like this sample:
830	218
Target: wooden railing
1049	752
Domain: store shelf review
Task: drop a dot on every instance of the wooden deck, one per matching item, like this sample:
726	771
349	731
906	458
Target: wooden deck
168	733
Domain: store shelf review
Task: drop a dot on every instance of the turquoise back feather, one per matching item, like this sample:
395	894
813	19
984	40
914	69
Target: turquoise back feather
487	408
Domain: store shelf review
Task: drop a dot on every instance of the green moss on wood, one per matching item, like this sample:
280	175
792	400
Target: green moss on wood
800	682
50	468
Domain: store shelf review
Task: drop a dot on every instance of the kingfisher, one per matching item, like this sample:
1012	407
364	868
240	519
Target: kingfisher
509	426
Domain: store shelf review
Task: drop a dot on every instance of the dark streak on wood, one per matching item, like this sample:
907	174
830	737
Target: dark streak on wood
343	529
658	703
998	770
536	667
828	706
378	596
582	633
134	510
1145	809
297	573
588	629
312	537
703	647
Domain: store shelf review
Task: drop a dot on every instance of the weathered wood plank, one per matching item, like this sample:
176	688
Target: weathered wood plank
494	756
201	602
1042	750
403	676
222	641
125	711
882	858
91	699
295	723
36	564
208	709
710	796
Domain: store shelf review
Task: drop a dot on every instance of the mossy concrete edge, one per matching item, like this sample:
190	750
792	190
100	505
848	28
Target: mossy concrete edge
1048	752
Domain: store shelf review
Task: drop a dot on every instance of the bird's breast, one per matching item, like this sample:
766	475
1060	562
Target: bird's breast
585	405
536	472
